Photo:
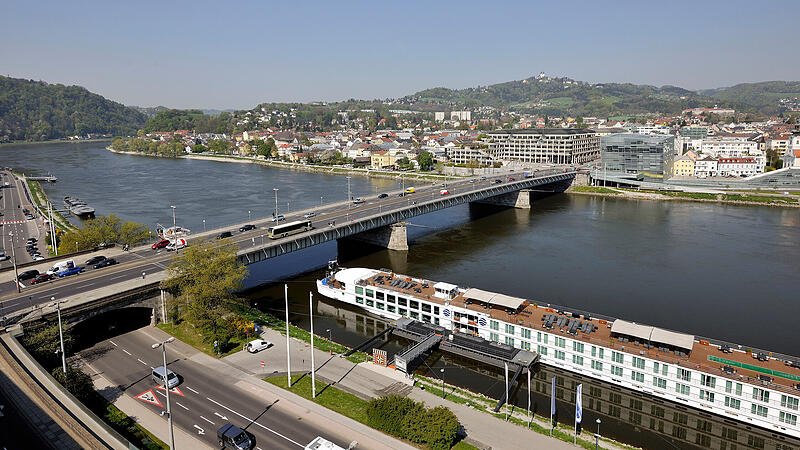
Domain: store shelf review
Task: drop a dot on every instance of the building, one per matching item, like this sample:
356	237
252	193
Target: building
544	145
792	159
684	165
733	148
382	159
739	167
458	155
694	132
649	155
649	129
465	116
438	116
706	167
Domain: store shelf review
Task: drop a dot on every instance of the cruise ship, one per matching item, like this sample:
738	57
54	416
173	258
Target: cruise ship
752	386
78	207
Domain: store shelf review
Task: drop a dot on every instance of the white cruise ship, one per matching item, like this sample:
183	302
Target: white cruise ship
750	386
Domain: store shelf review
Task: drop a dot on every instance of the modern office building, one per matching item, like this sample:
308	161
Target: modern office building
459	155
694	132
545	145
648	155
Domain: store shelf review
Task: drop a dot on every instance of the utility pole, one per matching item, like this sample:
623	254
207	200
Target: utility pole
61	337
276	204
166	388
288	349
311	317
14	260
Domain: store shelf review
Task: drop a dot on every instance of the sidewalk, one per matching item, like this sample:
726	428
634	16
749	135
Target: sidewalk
367	380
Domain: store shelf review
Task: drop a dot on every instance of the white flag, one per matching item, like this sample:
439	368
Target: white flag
578	405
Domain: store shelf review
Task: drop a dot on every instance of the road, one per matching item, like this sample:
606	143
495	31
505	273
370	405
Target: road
12	202
205	400
143	259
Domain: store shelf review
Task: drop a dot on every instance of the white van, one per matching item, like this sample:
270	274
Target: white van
61	267
158	377
258	345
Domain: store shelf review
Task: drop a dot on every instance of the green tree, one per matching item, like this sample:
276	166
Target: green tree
205	278
199	148
425	160
441	428
102	230
44	345
220	147
77	382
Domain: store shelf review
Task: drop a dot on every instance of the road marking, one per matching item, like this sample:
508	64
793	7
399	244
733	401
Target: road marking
200	430
220	416
141	361
118	276
148	397
127	352
212	423
161	394
114	343
187	387
256	423
181	406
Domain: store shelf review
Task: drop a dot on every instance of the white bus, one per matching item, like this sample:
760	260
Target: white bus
279	231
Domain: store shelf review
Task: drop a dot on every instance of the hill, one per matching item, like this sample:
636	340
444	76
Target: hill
188	119
764	97
35	110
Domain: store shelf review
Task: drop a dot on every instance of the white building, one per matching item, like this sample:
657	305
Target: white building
461	115
458	155
792	159
733	148
739	167
706	167
438	116
650	129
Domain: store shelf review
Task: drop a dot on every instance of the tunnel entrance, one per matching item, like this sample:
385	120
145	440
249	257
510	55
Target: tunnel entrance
109	324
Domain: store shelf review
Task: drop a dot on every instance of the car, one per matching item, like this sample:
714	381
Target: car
94	260
444	192
41	278
257	345
38	257
231	436
278	219
483	178
105	263
31	239
358	200
172	378
402	194
247	227
5	258
497	181
443	185
28	274
72	271
510	179
410	190
160	244
384	195
309	215
177	245
224	235
472	180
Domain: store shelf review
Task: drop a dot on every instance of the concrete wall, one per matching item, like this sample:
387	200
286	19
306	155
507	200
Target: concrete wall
393	237
519	199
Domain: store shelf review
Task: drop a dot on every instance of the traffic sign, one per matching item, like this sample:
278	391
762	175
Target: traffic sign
149	397
174	390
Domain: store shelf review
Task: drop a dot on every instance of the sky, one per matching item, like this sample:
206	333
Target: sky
238	54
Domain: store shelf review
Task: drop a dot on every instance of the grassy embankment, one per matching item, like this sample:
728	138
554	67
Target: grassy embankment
336	400
40	199
593	189
767	200
201	340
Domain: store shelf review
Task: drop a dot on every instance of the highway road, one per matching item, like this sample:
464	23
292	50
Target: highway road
12	202
206	398
143	259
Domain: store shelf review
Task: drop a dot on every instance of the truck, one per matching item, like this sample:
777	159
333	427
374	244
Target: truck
62	266
410	190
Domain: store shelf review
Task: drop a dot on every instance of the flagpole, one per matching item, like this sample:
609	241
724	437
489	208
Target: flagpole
529	397
311	316
505	364
552	402
288	347
578	410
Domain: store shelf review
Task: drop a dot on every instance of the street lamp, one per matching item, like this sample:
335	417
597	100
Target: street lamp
204	225
61	337
442	370
249	218
349	197
320	200
173	216
597	436
163	346
330	341
276	204
14	260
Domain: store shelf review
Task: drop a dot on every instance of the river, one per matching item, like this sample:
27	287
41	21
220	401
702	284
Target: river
722	271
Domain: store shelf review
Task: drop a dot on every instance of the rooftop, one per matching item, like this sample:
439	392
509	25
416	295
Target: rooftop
543	131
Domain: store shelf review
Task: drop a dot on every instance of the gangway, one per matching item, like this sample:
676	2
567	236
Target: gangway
369	341
402	360
511	383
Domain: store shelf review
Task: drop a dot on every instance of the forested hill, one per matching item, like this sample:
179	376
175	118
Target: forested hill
35	110
763	96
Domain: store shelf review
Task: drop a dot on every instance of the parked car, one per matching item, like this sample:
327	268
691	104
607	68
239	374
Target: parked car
483	178
105	263
160	244
510	179
38	257
247	227
224	235
28	274
258	345
72	271
358	200
231	436
41	278
309	215
94	260
279	218
384	195
5	258
171	377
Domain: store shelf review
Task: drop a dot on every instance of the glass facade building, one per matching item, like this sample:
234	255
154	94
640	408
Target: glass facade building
692	132
641	154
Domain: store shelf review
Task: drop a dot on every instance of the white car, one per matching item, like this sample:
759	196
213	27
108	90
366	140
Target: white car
309	215
258	345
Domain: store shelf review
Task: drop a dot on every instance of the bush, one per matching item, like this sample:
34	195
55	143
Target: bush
77	383
414	427
117	418
400	416
387	413
441	428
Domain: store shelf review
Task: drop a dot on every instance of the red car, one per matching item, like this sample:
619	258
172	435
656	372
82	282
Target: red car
160	244
41	278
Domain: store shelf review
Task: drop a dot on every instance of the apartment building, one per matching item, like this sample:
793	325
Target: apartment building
545	145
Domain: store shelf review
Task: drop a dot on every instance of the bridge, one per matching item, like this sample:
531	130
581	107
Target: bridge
377	221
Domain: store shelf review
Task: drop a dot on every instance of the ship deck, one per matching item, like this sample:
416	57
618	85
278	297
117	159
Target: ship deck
737	364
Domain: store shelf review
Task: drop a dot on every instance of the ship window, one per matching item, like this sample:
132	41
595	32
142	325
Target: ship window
526	333
390	298
414	315
494	337
402	311
759	410
436	310
509	329
616	371
414	304
436	320
390	308
494	325
370	293
637	376
426	318
597	365
705	395
732	403
787	418
360	300
379	305
708	380
559	354
577	360
379	295
761	395
682	389
789	402
576	346
359	290
370	303
426	308
541	349
660	382
401	301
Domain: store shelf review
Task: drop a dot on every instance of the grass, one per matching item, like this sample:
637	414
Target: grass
332	398
135	433
195	337
463	446
40	198
767	200
594	189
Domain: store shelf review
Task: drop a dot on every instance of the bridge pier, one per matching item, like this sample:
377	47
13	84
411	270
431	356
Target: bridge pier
392	237
521	199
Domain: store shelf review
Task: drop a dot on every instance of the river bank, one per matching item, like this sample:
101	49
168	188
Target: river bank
303	167
748	199
53	141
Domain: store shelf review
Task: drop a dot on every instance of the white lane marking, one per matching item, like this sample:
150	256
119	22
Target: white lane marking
256	423
181	406
161	393
220	416
114	343
127	352
187	387
200	430
141	361
118	276
212	423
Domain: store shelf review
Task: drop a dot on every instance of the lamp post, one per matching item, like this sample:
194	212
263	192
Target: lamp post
249	217
276	204
597	436
163	346
173	216
61	337
14	260
204	225
320	200
442	370
330	341
349	197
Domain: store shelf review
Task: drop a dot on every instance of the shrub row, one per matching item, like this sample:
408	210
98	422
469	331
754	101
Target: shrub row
402	417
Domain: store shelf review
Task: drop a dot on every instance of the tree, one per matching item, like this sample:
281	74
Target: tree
441	428
77	382
132	233
218	146
103	230
199	148
44	344
425	160
205	278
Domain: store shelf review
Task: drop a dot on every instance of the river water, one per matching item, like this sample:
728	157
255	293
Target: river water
726	272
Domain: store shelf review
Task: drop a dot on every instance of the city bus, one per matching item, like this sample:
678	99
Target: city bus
283	230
